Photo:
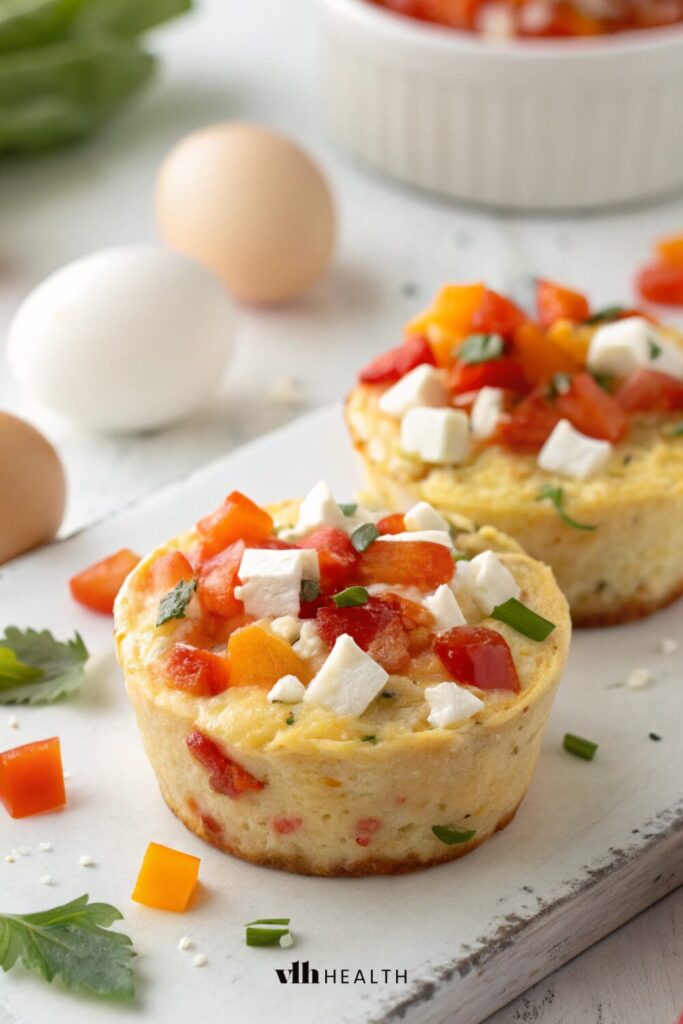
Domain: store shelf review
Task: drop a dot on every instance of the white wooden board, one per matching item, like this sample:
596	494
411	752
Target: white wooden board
592	844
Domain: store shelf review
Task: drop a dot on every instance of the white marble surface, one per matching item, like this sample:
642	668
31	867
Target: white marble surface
257	61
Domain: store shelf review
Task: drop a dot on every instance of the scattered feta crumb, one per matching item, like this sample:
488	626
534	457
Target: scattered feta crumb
286	940
424	516
638	678
573	454
444	607
46	880
669	645
287	627
440	436
422	386
486	580
13	722
348	681
486	411
45	847
22	851
185	942
66	775
199	960
286	391
10	858
287	690
309	644
450	703
86	861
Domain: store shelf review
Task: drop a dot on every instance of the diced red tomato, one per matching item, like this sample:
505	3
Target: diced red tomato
196	671
366	828
376	627
592	410
417	562
169	570
412	613
650	391
661	283
225	775
97	586
477	656
397	362
497	315
530	423
337	557
394	523
496	373
238	518
218	579
555	302
283	826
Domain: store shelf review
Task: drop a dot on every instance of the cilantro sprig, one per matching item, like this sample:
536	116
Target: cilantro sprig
173	604
37	669
71	942
481	348
556	496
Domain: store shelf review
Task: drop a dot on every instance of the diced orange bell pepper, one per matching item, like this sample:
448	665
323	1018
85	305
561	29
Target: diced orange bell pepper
572	339
539	355
670	249
196	671
555	302
238	518
97	586
32	779
258	658
418	562
661	283
167	878
169	569
449	319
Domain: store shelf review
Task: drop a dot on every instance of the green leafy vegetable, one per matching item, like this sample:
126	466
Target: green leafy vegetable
364	536
580	747
173	605
36	669
352	597
71	942
677	430
309	591
369	739
604	381
267	931
290	718
602	316
654	349
556	496
480	348
348	508
521	618
451	836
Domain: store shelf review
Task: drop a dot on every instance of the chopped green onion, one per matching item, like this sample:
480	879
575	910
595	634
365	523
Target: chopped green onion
269	920
352	597
654	349
480	348
560	384
267	932
310	590
556	495
677	430
348	508
521	618
451	836
602	315
290	718
174	604
580	747
368	739
364	536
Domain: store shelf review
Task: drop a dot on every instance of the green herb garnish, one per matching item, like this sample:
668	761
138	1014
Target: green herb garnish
310	591
348	508
521	618
267	931
579	747
368	739
654	349
364	536
451	836
173	605
480	348
352	597
36	669
71	942
601	316
290	718
556	496
676	430
603	380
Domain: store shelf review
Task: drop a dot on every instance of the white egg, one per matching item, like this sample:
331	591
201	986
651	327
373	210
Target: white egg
125	339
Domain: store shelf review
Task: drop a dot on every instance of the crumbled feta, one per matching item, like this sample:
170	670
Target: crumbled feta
46	880
13	722
450	703
638	678
486	411
309	644
669	645
432	536
348	681
271	580
572	454
199	960
626	345
287	627
423	386
487	581
445	609
287	690
86	861
10	858
22	851
317	509
185	942
286	940
440	436
45	847
424	516
286	391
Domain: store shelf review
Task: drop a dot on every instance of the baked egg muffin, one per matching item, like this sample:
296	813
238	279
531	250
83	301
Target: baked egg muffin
564	430
331	690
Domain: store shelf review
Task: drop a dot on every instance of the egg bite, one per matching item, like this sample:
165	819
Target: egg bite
562	428
330	690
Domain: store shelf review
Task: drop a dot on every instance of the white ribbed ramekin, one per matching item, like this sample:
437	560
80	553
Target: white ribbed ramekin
552	124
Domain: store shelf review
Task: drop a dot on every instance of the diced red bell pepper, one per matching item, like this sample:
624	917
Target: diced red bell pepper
530	424
283	826
412	614
394	523
497	315
417	562
661	283
366	828
592	410
555	302
31	778
496	373
218	579
238	518
376	627
337	557
169	569
97	586
196	671
650	391
477	656
397	362
225	775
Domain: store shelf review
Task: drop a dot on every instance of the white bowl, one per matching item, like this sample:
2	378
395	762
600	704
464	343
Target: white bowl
552	124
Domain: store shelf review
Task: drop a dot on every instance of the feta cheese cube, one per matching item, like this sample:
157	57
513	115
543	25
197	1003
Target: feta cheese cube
424	516
450	703
626	345
432	536
573	454
287	690
440	436
317	509
422	386
487	581
309	645
348	681
271	580
287	627
486	411
445	609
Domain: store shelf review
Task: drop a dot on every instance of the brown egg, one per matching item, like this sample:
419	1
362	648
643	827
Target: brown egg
251	206
32	488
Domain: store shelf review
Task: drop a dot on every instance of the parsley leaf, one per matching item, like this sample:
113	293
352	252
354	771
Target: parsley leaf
364	536
348	507
480	348
36	669
309	591
677	430
654	349
173	604
604	315
71	942
555	494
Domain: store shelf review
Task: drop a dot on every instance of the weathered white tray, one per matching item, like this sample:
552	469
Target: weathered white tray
593	843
